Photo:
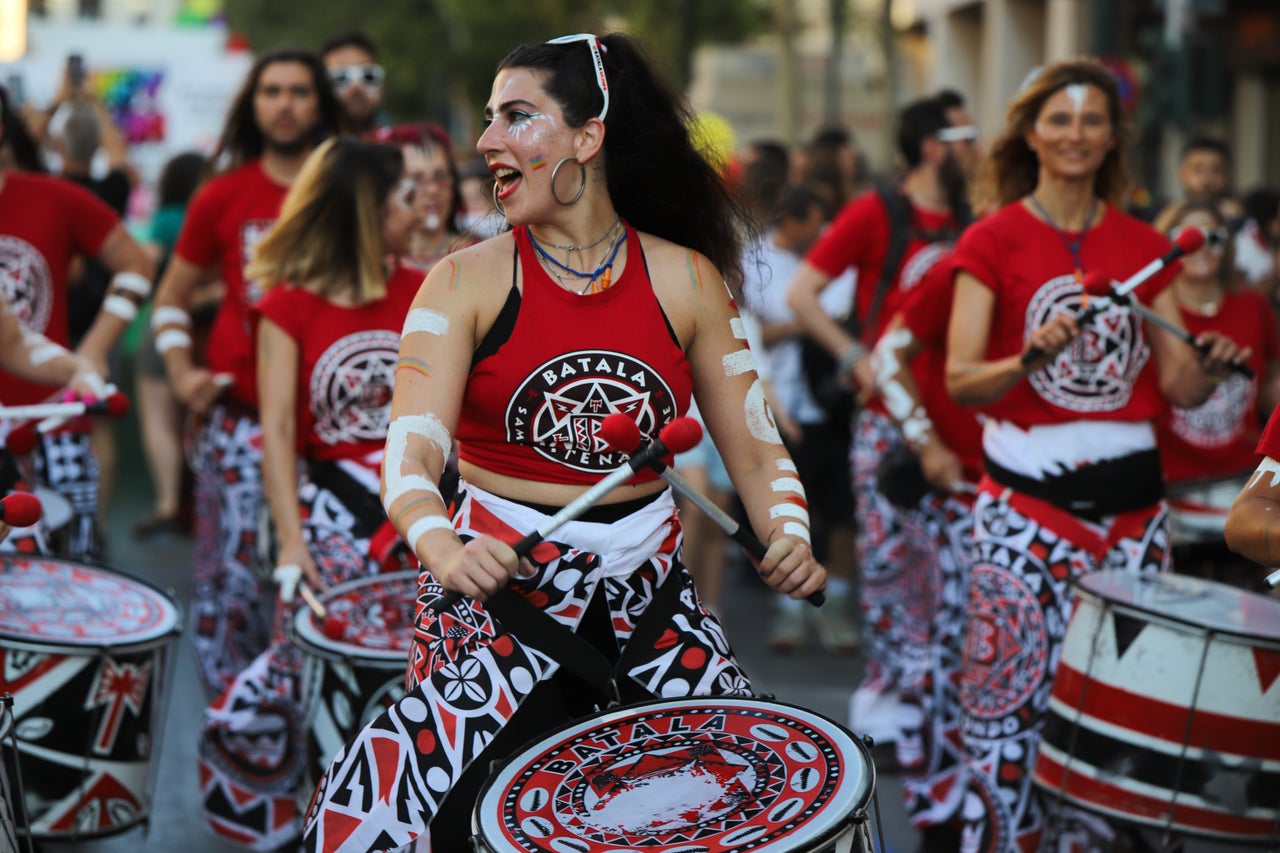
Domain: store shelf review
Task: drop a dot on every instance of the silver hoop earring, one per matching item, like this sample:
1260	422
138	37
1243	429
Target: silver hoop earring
581	187
496	203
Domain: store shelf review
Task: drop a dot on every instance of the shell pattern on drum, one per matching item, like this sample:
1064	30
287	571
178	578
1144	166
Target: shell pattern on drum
1165	711
84	651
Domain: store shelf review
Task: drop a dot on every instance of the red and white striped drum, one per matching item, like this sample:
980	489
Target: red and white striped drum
85	651
351	677
1165	710
709	775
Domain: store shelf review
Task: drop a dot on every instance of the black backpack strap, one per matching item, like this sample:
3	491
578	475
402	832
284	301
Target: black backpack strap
898	206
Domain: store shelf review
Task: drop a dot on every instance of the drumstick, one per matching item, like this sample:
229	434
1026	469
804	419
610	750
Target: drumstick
622	434
1188	241
1099	284
20	509
46	417
681	439
1273	579
289	579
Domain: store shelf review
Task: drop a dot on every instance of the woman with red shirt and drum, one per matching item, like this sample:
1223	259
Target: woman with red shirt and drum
608	296
328	338
1073	480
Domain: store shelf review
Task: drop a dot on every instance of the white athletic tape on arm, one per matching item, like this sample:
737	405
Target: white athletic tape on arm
132	282
171	339
798	530
738	363
787	465
759	419
787	484
120	306
786	509
427	321
167	315
46	351
420	527
430	428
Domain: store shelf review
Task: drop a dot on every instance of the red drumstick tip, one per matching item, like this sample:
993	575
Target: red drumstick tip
1097	284
620	433
681	435
1189	240
20	509
334	628
117	405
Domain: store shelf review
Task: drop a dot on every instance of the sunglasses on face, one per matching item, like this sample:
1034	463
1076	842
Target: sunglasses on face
1214	238
958	133
345	76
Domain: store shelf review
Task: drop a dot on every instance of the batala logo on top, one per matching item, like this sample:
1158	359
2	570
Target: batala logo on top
558	409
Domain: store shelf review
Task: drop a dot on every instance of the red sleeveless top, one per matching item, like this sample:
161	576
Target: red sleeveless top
544	380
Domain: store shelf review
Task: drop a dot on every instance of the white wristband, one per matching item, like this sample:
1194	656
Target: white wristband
167	315
171	338
120	306
133	283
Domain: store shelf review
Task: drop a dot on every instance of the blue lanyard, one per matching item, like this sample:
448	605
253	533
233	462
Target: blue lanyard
1073	246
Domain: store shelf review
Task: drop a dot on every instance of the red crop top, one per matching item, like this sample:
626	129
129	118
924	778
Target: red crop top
544	380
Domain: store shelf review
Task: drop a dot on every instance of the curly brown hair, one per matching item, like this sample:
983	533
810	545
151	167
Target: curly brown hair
1011	169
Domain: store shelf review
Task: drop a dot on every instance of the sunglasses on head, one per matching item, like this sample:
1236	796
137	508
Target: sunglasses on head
346	76
1214	238
597	61
958	133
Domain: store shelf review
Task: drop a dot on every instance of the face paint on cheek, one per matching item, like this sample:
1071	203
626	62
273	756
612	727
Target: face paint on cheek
534	130
1076	93
539	162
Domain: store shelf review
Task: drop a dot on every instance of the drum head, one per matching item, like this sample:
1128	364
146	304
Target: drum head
1192	601
690	775
48	601
375	617
55	510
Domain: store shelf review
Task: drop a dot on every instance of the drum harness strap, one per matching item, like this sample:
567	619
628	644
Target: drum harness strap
577	655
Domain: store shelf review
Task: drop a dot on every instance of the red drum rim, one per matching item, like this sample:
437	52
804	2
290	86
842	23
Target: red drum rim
586	774
58	603
350	602
1187	600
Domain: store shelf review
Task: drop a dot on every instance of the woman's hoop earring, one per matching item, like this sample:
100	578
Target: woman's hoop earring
581	187
496	203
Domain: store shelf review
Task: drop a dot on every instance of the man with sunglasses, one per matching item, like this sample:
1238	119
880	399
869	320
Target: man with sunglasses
351	61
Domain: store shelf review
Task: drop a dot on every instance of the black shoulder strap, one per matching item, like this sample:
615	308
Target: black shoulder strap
898	207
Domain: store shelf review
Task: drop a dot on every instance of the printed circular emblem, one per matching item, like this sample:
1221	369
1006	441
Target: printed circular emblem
56	601
1218	421
919	264
26	283
703	775
1097	371
557	410
375	614
1006	646
351	387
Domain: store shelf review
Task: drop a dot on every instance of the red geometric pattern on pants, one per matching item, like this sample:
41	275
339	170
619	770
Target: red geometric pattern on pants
1019	602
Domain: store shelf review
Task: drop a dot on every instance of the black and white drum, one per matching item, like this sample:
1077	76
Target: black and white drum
708	775
85	651
354	672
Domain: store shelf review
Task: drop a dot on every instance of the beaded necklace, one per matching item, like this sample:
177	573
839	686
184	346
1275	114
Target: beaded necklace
597	280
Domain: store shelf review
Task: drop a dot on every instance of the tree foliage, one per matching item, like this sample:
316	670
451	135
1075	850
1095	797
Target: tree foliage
440	55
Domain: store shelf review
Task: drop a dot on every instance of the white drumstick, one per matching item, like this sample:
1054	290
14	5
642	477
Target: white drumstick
1273	579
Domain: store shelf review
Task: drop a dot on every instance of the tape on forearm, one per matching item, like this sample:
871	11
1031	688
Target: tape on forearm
167	315
172	339
131	282
397	483
120	306
45	350
423	525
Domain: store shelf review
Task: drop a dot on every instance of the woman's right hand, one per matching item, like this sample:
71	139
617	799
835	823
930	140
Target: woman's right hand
480	568
198	387
1051	338
298	554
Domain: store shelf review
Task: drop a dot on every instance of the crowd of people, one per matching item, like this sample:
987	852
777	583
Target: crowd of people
362	342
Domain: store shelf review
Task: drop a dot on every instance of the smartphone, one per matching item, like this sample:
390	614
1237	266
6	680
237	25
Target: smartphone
75	69
17	92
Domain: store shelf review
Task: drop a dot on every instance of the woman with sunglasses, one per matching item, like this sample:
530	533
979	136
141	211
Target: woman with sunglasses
1208	451
1072	475
328	333
608	295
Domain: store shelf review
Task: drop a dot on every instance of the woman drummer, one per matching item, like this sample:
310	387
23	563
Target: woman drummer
328	334
1073	481
607	296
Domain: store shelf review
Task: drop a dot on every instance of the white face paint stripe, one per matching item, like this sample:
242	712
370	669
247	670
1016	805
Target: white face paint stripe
787	465
1077	93
420	527
787	484
738	363
759	419
1267	466
46	352
798	530
789	510
425	320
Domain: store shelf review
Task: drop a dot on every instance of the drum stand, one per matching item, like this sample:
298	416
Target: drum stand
20	794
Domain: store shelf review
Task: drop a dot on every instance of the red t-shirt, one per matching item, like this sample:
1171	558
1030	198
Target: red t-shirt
224	222
44	222
1217	439
1107	374
926	311
347	364
533	407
